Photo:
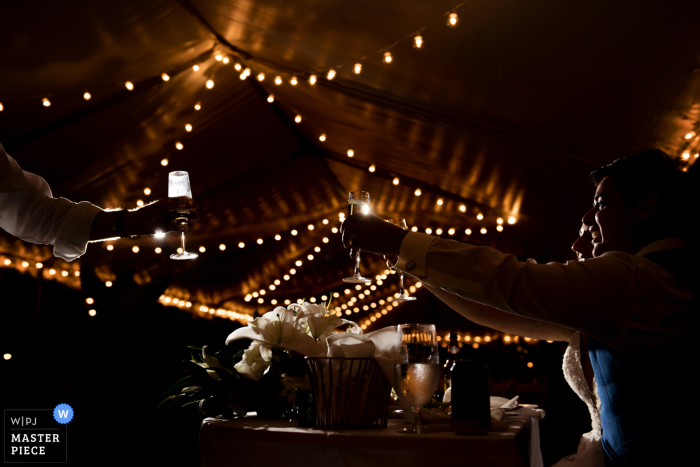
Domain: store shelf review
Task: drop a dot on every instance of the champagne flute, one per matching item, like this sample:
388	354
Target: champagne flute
179	187
403	296
358	203
417	369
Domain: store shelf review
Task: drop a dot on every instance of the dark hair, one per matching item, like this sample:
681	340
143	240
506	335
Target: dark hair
648	171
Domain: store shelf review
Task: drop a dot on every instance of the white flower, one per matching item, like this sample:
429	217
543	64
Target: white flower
256	359
279	328
320	325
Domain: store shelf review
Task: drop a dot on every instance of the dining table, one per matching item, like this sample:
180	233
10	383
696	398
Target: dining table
513	441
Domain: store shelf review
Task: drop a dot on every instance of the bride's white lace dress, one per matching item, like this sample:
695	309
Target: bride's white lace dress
590	448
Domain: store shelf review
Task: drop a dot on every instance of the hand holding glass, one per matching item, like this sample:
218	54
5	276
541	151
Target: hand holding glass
178	187
358	203
417	368
390	261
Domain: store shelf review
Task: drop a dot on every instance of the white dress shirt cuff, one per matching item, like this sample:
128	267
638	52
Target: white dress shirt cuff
74	233
414	253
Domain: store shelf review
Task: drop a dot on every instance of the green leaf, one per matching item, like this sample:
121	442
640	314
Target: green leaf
174	402
176	387
225	359
199	374
223	374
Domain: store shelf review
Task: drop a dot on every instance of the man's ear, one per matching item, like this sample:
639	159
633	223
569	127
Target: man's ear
648	205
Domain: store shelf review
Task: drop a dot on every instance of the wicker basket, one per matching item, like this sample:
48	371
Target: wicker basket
349	392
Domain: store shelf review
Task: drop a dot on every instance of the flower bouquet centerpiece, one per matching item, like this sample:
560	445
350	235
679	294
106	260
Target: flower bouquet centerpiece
267	376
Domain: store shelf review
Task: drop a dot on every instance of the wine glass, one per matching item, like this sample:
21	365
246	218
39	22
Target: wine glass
358	203
403	296
179	187
417	369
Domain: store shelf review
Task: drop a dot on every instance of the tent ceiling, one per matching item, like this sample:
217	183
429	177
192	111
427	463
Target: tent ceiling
506	113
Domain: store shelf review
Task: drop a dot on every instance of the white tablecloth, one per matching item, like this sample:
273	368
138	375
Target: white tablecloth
252	441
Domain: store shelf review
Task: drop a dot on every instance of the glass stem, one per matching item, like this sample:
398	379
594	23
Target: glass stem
357	263
183	242
417	422
401	284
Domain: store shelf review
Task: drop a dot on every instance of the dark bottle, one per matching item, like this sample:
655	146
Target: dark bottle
471	411
452	357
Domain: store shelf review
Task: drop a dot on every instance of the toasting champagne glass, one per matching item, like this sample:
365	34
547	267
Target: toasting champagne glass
417	368
403	297
358	203
179	187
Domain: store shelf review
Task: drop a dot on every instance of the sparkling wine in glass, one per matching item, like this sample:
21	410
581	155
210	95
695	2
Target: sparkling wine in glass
390	261
179	188
417	369
358	203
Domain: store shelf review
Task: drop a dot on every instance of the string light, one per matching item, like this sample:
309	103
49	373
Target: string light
202	249
129	85
165	77
139	203
690	135
686	156
1	107
108	284
297	119
372	168
396	181
270	98
480	216
294	232
188	127
195	68
311	227
293	81
417	192
322	137
351	153
197	106
146	191
86	96
417	42
451	231
210	84
468	231
241	245
218	57
92	312
357	69
312	80
499	228
226	60
135	249
387	57
414	229
260	241
39	265
278	80
512	220
278	237
483	230
438	232
330	75
452	20
110	247
440	202
158	250
179	146
222	247
46	102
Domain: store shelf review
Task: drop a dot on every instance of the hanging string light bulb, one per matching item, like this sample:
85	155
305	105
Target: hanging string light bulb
46	102
270	98
293	81
1	107
179	146
165	77
387	57
322	137
188	128
351	153
218	57
297	119
312	79
87	96
197	106
195	68
210	84
418	42
278	80
261	76
452	20
331	74
225	60
357	69
237	67
129	85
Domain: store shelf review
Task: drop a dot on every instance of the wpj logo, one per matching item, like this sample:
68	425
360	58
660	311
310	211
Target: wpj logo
37	435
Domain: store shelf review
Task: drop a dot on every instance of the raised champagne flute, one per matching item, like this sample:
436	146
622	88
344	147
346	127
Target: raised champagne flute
390	261
417	369
179	187
358	203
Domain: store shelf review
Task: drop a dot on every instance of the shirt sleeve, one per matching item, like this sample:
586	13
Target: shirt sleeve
30	212
621	299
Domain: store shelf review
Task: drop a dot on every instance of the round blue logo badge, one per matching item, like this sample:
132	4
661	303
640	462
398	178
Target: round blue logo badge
63	413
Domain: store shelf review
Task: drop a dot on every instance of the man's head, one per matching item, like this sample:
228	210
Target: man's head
638	200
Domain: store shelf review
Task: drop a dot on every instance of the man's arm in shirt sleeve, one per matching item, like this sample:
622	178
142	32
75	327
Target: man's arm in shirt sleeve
28	211
592	296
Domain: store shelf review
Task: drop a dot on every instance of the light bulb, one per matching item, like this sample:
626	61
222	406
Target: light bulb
428	230
357	69
293	81
690	135
312	80
331	74
86	96
462	208
294	232
451	231
222	247
260	241
164	162
311	226
179	146
310	257
686	156
452	20
351	153
417	192
1	107
396	181
226	60
270	98
202	249
108	283
468	231
322	137
210	84
480	216
195	67
512	220
325	240
278	80
499	220
438	232
414	229
135	249
241	245
298	263
243	76
110	247
197	106
440	201
237	66
46	102
483	230
146	191
129	85
297	119
188	127
218	57
417	42
499	228
165	77
139	203
39	265
92	312
387	57
372	168
158	250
